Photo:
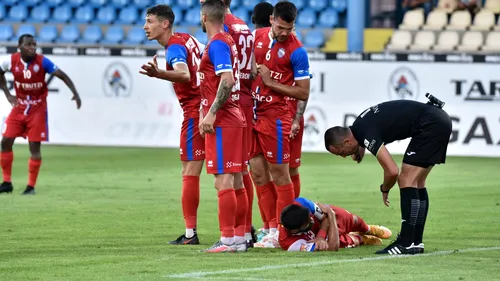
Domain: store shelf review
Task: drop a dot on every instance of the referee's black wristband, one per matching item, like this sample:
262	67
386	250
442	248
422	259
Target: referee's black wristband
382	190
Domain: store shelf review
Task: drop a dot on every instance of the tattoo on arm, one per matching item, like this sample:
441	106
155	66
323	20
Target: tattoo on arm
301	107
222	95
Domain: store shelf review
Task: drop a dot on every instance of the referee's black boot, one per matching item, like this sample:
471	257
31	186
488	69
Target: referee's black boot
30	190
6	187
395	248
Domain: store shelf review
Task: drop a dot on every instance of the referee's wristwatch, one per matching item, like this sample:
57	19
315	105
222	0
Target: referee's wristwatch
383	190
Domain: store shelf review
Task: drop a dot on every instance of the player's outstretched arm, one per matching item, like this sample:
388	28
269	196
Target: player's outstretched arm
64	77
391	171
180	74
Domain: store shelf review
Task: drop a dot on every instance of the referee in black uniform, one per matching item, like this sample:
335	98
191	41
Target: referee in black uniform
429	128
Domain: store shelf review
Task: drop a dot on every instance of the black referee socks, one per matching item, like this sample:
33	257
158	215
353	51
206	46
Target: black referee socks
422	215
410	204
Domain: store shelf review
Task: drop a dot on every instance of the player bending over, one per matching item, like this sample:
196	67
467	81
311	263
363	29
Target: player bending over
223	127
307	226
182	52
28	117
429	128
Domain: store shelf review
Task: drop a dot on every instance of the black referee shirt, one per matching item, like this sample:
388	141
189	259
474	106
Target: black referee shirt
387	122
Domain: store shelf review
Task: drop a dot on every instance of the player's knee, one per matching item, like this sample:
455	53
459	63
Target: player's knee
192	168
238	181
280	174
7	144
421	183
259	173
260	178
405	180
293	171
224	181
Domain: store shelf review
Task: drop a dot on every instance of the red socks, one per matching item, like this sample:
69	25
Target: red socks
296	184
262	213
6	162
190	199
285	198
247	182
227	210
33	169
241	212
268	203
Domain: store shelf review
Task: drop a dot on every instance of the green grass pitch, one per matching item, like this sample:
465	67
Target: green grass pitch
107	214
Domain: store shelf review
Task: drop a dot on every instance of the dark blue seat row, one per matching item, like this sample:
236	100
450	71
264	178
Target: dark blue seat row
317	5
94	34
327	18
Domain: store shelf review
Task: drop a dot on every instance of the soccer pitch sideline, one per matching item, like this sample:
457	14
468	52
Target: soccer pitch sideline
107	214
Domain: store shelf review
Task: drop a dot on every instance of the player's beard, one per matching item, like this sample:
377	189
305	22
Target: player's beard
203	27
28	55
277	37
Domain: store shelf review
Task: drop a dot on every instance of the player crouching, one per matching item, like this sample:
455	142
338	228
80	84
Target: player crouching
307	226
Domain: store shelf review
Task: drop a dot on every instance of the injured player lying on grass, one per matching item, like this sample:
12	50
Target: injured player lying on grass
307	226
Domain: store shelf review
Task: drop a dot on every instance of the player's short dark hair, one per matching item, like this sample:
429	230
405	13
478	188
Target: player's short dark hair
227	3
294	216
261	13
162	11
335	135
286	11
215	10
22	37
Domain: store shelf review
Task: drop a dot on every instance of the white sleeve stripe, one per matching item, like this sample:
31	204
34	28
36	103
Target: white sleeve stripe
177	62
223	70
302	77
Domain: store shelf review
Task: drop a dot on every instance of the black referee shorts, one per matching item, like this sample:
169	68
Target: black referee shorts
430	140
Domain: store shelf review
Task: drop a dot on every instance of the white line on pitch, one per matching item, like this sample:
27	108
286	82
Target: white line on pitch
204	274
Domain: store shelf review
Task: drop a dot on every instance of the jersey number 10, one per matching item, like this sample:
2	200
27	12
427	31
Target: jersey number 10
27	74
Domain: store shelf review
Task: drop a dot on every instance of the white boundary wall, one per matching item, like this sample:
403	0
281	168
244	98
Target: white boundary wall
141	111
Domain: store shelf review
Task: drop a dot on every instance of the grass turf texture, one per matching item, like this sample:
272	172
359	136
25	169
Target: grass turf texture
107	214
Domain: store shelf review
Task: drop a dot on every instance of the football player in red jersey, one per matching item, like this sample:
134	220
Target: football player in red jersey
28	117
182	52
242	36
260	18
307	226
282	65
224	127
